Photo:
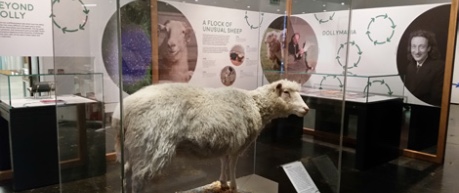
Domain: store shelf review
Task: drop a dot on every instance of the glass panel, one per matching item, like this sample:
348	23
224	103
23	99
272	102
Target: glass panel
11	64
228	57
20	90
452	138
314	141
5	89
204	44
416	31
404	117
81	127
87	86
455	82
371	73
28	128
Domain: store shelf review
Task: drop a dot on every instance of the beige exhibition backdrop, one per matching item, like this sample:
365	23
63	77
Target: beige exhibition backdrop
375	34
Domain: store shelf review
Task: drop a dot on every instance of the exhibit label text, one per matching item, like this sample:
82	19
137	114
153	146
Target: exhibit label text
337	32
219	27
13	10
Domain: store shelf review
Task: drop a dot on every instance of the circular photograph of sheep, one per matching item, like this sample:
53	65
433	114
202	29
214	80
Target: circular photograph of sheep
136	46
421	54
178	49
293	50
237	55
176	42
228	75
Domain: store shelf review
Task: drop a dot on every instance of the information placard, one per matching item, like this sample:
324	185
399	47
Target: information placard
25	28
300	178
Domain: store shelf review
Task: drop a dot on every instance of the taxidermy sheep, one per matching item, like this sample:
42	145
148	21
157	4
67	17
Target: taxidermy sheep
178	119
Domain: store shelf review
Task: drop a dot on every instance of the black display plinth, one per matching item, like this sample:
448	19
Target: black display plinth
34	149
424	126
5	161
33	135
287	131
378	126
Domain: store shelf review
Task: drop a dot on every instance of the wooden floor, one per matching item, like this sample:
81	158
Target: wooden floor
402	175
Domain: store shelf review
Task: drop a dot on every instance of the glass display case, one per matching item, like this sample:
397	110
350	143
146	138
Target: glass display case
347	112
359	88
50	122
29	90
217	45
60	110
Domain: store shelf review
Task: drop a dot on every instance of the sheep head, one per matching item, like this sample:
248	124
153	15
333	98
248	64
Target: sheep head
271	37
289	99
178	36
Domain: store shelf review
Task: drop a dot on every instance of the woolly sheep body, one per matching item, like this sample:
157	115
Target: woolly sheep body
163	120
193	116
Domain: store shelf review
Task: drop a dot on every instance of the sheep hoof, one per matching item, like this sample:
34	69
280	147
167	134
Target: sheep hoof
224	186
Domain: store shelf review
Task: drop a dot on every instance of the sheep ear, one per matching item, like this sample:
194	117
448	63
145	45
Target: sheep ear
279	89
161	27
188	32
188	37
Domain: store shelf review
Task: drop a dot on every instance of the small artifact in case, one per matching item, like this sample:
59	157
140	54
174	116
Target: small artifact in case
40	87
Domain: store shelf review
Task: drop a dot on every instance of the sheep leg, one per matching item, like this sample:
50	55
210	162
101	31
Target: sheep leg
127	181
143	170
163	155
232	171
224	172
138	179
133	183
134	179
138	184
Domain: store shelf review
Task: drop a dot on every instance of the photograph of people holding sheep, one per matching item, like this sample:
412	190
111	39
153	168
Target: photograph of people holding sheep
290	46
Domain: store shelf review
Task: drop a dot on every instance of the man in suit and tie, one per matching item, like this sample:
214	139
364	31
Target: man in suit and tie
424	73
424	79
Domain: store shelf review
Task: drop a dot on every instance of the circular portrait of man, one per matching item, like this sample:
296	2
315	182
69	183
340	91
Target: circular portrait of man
421	55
